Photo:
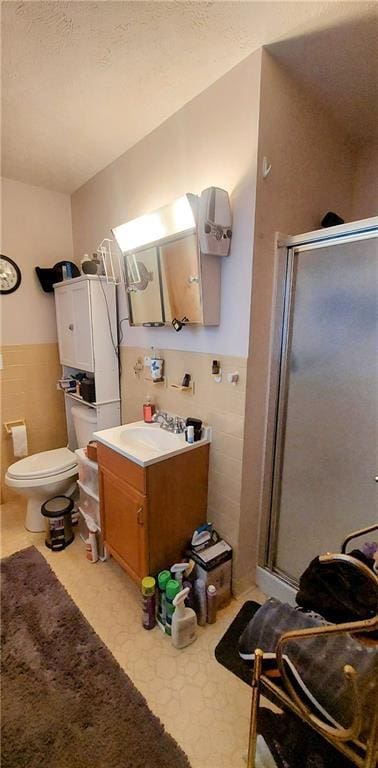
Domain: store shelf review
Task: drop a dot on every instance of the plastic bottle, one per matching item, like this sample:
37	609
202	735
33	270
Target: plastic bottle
211	594
190	434
91	546
149	603
163	578
172	589
148	410
190	600
200	595
178	570
184	622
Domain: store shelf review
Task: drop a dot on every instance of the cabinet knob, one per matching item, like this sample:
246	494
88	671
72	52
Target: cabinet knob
71	327
140	516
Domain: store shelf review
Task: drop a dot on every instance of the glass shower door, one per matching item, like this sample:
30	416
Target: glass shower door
326	444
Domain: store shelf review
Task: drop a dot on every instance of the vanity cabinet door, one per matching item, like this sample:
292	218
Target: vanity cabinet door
124	523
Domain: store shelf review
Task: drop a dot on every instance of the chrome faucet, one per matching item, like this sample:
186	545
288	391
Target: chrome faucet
170	423
163	418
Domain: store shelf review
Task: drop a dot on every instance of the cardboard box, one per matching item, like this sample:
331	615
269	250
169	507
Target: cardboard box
214	566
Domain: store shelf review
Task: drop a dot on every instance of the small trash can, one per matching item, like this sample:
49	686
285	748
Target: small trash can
58	520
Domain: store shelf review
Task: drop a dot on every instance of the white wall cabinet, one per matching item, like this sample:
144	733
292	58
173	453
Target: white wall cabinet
74	322
86	314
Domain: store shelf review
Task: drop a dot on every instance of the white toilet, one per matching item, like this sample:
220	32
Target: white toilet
50	473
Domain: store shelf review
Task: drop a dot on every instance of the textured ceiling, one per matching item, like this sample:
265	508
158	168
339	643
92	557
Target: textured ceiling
84	81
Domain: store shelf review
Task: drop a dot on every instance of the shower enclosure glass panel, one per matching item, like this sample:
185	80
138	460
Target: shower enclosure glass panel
326	452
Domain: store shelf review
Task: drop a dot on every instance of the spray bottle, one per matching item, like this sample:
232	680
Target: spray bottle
184	621
178	570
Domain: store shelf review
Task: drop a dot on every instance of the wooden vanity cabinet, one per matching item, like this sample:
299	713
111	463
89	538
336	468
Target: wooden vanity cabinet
148	514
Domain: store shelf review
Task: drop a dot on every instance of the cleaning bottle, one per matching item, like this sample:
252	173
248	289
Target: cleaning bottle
163	578
200	599
211	604
172	589
178	570
91	545
184	622
148	593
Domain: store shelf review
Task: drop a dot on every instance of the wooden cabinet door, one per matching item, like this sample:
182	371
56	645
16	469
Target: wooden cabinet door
124	523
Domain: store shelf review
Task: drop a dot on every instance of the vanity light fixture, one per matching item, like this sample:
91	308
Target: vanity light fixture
139	231
167	221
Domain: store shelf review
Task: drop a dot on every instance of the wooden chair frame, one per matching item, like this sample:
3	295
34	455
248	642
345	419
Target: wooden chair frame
362	754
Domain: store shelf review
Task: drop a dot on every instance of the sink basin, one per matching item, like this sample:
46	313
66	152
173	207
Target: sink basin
149	438
147	444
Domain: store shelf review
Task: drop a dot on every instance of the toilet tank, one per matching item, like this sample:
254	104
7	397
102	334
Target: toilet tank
85	423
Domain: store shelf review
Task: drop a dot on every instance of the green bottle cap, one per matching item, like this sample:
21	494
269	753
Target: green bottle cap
172	589
163	578
148	585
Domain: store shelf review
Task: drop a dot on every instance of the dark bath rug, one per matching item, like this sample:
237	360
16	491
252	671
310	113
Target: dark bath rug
66	703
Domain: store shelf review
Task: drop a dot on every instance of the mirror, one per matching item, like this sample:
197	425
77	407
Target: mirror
144	287
181	279
164	282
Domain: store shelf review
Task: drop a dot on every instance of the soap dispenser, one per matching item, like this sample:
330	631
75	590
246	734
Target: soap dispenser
184	621
148	410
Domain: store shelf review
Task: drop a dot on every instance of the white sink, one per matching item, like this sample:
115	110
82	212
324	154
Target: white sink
147	444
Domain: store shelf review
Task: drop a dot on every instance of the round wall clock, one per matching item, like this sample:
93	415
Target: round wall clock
10	275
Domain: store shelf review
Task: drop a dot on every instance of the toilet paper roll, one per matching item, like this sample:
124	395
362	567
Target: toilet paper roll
19	440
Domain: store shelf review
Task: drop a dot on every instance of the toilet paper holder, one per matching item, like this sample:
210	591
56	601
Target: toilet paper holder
16	423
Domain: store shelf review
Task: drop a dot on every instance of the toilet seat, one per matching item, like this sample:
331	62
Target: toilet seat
47	464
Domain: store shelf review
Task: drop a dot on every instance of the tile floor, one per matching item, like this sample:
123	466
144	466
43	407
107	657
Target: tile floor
203	706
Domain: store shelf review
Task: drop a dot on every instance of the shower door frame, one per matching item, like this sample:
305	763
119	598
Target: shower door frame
269	578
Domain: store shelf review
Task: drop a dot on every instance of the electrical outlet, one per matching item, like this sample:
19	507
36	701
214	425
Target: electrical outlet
147	360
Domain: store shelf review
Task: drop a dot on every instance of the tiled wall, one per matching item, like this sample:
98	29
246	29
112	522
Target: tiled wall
220	405
28	391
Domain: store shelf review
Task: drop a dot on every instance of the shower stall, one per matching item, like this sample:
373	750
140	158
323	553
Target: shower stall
321	451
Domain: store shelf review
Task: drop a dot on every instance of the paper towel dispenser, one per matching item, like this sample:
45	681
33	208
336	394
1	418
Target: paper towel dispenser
172	262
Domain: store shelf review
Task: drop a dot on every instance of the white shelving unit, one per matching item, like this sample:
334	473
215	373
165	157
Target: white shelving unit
86	313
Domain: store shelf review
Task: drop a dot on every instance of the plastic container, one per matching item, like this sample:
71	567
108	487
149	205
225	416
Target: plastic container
172	589
88	472
149	602
211	594
57	513
89	503
184	622
163	578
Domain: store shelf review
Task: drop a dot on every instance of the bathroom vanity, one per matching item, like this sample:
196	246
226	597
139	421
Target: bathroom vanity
153	494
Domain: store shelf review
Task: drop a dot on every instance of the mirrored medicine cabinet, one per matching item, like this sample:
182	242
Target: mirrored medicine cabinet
167	276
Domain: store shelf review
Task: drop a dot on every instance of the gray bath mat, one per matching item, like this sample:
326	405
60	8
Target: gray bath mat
66	703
